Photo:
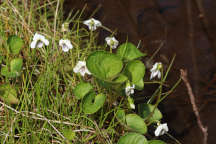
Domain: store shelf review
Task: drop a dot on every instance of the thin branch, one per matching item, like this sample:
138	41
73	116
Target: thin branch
193	103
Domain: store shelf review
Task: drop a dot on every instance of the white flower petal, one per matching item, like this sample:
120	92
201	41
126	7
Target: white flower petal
33	44
161	129
81	68
112	42
92	24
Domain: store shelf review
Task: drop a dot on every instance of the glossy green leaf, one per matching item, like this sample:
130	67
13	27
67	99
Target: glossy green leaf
82	89
15	68
132	138
15	44
8	94
136	123
129	51
104	65
120	115
156	142
69	134
146	109
16	65
139	84
121	79
92	102
135	70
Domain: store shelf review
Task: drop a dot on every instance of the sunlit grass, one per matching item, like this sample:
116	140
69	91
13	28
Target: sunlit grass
47	107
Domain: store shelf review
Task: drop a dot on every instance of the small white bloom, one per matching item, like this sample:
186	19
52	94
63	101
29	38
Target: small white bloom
92	24
81	68
129	90
131	103
161	129
39	41
155	71
112	42
65	44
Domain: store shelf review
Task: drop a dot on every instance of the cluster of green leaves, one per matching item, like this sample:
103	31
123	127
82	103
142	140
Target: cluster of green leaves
114	71
12	69
137	124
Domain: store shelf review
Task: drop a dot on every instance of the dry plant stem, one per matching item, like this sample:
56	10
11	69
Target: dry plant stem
193	103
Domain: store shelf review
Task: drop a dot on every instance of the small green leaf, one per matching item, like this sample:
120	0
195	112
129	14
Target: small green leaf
15	43
8	94
92	102
146	109
120	115
69	134
156	142
135	70
136	123
139	85
104	65
129	51
82	89
15	68
16	65
132	138
120	79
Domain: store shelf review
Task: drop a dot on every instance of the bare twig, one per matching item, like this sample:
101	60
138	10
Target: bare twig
193	103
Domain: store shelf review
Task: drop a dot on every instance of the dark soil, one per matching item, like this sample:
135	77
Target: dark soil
188	30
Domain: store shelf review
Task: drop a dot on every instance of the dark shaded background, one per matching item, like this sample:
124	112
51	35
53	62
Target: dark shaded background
188	29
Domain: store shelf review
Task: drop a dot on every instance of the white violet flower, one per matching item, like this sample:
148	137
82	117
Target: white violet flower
65	44
81	68
161	129
131	103
39	41
92	24
129	90
155	71
112	42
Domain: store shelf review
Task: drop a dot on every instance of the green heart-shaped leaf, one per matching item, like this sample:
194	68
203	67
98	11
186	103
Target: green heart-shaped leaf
120	115
69	134
15	44
8	94
82	89
104	65
15	68
16	65
139	84
136	123
146	109
156	142
135	71
92	102
129	51
120	79
132	138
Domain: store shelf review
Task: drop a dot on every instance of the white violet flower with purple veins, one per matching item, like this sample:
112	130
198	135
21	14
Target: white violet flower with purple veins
161	129
129	89
81	68
39	41
156	70
112	42
92	24
65	44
